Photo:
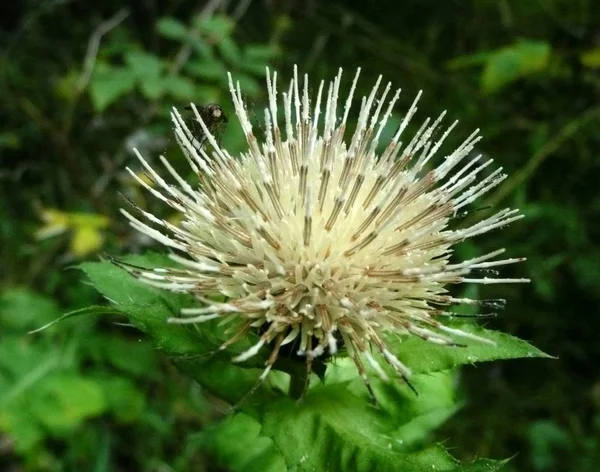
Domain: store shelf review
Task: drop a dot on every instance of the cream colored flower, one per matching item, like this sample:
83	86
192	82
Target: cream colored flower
315	237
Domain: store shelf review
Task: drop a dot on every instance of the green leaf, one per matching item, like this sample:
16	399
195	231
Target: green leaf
143	64
195	349
334	430
9	140
591	58
513	62
482	465
152	87
230	51
261	52
425	357
148	70
22	309
470	60
217	26
418	416
180	87
546	441
23	429
147	308
249	84
23	363
123	399
413	416
134	357
207	69
172	28
239	445
109	84
62	401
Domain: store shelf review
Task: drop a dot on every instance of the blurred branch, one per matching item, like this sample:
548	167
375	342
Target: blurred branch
240	10
90	61
566	133
184	53
93	46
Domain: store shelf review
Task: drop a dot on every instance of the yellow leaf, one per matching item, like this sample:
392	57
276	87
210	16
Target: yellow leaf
88	220
56	221
86	240
591	58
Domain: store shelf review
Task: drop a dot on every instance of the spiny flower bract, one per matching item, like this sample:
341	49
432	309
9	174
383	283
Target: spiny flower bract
317	238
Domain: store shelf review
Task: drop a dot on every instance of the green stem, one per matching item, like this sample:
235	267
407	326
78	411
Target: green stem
298	384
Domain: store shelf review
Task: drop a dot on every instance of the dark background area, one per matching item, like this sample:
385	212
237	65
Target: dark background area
81	83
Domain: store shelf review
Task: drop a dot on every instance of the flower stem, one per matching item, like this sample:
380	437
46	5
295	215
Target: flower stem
298	384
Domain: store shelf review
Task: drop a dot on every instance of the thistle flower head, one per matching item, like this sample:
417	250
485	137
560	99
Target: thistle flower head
320	238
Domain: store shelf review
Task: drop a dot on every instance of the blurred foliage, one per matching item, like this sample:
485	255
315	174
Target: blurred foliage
83	83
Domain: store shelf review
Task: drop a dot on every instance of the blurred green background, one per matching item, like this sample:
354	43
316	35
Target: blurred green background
81	83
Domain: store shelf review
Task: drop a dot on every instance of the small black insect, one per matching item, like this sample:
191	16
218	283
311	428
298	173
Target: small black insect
215	120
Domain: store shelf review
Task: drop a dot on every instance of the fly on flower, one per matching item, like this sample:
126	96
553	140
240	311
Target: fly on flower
316	239
215	119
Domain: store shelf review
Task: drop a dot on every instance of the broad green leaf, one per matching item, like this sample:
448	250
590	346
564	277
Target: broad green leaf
249	84
334	430
425	357
143	64
152	86
9	140
228	381
253	66
22	309
238	444
203	47
134	357
21	426
122	397
86	241
417	416
195	349
109	84
180	87
215	26
482	465
24	363
512	62
118	286
468	60
546	440
414	416
230	51
261	52
591	58
172	28
209	69
147	308
63	400
148	70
